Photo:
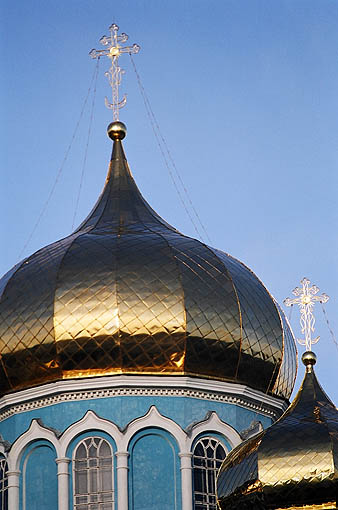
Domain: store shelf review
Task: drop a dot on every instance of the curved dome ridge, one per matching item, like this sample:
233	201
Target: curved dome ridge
274	321
288	369
128	293
205	285
26	315
7	276
214	253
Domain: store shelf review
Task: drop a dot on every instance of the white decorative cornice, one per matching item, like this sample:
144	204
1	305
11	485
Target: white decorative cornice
123	385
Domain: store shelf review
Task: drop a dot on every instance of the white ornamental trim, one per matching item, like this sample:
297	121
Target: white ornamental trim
84	389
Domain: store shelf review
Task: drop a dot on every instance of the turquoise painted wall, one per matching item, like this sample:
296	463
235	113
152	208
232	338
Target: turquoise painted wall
39	478
154	475
122	410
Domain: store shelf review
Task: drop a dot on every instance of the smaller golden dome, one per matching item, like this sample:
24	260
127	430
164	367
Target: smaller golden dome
293	463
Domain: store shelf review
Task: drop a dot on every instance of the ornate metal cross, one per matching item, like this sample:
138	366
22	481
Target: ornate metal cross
306	298
114	75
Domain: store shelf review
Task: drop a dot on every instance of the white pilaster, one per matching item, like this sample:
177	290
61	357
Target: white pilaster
63	483
186	480
122	479
13	489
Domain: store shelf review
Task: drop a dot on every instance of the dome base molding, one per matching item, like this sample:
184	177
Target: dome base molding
122	385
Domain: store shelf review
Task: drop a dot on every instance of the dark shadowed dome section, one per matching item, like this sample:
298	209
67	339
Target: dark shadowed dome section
128	293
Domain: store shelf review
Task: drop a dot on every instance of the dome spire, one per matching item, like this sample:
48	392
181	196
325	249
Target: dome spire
114	75
121	206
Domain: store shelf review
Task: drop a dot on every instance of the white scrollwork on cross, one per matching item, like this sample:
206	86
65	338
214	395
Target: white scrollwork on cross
306	298
114	75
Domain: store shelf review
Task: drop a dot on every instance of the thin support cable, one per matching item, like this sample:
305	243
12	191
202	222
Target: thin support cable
59	172
166	162
160	138
329	327
87	145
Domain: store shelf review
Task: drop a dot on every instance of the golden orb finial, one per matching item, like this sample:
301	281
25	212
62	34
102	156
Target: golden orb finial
309	359
117	130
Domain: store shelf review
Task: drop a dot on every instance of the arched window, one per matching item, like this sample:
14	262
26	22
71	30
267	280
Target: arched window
93	485
3	484
207	458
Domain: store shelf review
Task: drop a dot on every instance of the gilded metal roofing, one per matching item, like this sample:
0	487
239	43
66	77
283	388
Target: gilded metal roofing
128	293
292	464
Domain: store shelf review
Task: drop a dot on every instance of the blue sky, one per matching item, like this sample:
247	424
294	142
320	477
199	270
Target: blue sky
246	96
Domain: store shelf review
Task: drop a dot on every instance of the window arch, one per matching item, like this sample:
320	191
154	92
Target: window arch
93	484
208	456
3	484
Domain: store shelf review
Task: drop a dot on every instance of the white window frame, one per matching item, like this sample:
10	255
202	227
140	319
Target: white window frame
4	484
90	504
208	465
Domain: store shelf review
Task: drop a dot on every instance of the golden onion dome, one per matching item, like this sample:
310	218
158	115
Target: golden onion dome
128	293
291	465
